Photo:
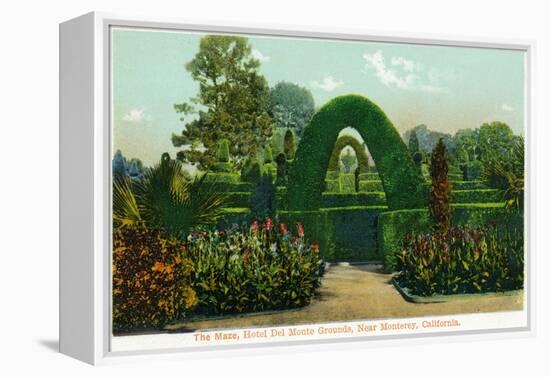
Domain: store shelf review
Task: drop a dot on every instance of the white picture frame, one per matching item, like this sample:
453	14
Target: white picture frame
85	187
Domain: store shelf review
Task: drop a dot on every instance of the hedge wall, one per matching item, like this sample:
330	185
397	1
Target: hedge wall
467	185
223	178
394	225
402	182
476	196
370	186
238	199
343	234
342	142
356	199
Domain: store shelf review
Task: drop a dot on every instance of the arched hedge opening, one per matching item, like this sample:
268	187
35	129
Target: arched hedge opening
403	184
349	141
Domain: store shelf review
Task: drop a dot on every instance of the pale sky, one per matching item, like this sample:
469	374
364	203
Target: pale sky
446	88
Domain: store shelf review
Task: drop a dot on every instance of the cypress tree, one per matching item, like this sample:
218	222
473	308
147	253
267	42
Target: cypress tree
440	195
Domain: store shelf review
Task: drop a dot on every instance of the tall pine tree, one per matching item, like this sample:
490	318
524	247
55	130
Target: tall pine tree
232	103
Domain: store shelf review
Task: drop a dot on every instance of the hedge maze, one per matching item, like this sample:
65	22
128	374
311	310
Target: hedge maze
360	216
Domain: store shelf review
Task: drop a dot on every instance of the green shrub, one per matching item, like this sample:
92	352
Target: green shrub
222	178
333	185
403	184
369	177
355	199
468	185
471	170
222	167
347	182
370	186
474	196
251	171
222	154
238	199
462	260
263	267
151	279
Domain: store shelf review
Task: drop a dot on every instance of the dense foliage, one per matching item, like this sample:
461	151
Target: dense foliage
402	182
151	279
440	194
292	106
462	260
252	269
232	103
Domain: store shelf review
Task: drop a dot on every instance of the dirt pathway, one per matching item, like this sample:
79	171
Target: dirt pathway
359	292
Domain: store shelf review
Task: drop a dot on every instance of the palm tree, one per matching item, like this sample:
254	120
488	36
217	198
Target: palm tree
165	198
508	174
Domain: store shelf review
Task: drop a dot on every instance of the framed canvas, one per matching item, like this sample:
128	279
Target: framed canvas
228	187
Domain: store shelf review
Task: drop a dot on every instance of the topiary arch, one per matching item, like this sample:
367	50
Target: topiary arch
404	186
345	141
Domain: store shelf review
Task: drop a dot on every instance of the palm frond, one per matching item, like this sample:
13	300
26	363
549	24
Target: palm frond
125	206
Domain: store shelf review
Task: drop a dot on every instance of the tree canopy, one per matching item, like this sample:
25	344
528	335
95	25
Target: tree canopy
232	103
292	106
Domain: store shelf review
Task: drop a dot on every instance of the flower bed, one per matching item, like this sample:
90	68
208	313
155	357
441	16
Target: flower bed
251	269
151	279
462	260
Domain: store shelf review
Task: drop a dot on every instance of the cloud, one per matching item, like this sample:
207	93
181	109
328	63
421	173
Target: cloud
507	108
328	84
257	54
402	73
135	116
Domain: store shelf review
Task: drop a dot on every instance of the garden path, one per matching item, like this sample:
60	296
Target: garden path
356	292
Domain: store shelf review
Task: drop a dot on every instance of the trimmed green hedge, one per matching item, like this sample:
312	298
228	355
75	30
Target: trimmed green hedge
232	187
223	178
238	199
343	233
467	185
235	215
347	182
370	186
403	184
332	185
476	196
369	177
342	142
356	199
394	225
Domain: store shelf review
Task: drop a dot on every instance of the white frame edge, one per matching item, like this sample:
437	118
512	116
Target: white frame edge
85	218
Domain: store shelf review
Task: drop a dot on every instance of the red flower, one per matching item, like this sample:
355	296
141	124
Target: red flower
254	226
315	247
283	229
245	256
300	230
268	224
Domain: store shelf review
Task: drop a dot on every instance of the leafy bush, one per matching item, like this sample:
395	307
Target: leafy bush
471	170
462	260
252	269
151	279
403	184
